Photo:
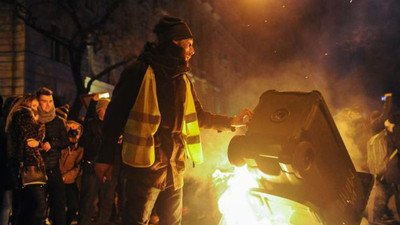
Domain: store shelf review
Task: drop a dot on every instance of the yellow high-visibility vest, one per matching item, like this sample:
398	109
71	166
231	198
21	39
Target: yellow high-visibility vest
144	119
190	128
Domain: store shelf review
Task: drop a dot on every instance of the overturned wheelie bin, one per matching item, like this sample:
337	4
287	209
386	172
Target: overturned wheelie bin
294	145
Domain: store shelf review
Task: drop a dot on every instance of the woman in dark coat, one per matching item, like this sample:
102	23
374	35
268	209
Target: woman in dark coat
25	135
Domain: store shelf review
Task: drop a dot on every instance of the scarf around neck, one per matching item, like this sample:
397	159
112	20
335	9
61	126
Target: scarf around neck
166	59
45	117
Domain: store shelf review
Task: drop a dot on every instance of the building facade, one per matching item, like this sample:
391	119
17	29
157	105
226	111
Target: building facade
12	52
29	59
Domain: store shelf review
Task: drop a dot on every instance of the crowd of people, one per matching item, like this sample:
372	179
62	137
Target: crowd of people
150	129
61	171
47	164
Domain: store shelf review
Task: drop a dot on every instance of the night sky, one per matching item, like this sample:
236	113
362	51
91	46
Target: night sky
347	48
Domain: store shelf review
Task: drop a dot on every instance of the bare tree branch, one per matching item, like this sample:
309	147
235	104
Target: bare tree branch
34	4
88	29
92	28
107	70
110	10
74	15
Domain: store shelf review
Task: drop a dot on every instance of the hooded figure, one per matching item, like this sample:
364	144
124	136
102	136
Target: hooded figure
70	165
71	157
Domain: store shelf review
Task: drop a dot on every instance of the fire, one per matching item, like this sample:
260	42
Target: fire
241	204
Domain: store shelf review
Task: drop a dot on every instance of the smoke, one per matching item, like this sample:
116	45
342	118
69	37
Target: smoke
200	193
345	50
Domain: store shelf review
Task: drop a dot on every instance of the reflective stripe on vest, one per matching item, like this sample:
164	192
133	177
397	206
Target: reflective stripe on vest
191	130
143	121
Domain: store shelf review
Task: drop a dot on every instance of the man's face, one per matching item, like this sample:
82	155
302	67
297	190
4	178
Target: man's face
187	45
46	103
74	126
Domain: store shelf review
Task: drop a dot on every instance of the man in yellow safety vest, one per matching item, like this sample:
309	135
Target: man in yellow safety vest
155	108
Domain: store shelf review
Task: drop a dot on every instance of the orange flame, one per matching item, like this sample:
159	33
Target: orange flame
240	207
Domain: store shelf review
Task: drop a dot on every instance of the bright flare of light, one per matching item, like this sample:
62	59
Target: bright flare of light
239	207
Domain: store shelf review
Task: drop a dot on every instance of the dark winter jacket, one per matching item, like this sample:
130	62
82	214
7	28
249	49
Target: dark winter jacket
3	155
392	174
22	128
56	135
171	91
91	139
5	173
377	124
8	177
70	163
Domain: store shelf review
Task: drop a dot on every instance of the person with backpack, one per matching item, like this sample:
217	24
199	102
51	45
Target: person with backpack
383	162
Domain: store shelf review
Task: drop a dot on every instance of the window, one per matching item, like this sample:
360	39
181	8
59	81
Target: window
57	51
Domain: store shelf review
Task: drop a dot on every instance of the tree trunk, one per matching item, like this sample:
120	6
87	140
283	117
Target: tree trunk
76	62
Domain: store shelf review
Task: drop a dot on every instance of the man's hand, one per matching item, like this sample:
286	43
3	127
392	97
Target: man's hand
96	97
103	171
387	95
389	126
242	119
32	143
120	139
46	146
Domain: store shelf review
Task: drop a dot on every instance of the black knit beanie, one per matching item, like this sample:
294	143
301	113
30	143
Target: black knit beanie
171	28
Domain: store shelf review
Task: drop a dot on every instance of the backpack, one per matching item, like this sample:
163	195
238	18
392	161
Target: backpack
377	153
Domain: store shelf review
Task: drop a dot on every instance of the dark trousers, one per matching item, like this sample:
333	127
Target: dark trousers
89	191
384	191
33	211
140	201
72	195
108	191
91	188
6	206
16	206
106	200
57	201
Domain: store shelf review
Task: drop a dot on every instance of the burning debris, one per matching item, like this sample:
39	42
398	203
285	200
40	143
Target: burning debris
295	167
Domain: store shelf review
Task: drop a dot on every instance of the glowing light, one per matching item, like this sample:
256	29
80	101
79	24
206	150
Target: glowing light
239	205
